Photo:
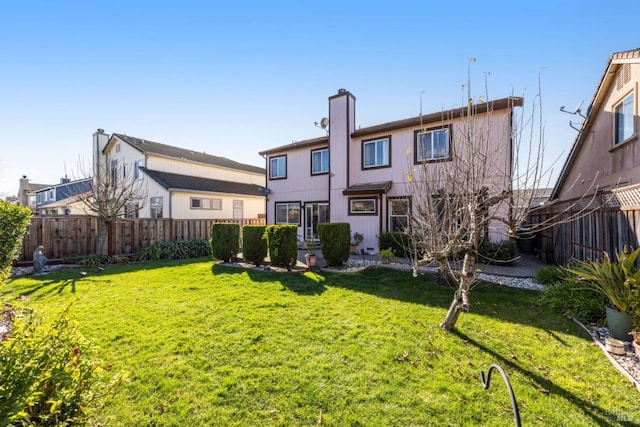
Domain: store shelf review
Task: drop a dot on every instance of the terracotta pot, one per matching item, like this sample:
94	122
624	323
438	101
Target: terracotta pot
636	346
311	259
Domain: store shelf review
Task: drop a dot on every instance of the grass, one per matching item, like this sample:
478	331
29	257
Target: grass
233	347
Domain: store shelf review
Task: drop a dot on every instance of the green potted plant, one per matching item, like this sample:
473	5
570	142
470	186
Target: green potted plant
355	242
618	282
385	255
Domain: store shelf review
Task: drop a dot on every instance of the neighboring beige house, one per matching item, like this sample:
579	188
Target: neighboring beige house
606	151
182	183
359	175
72	205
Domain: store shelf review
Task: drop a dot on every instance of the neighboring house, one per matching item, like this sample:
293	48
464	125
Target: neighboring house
606	151
359	175
595	204
27	193
181	183
72	205
56	199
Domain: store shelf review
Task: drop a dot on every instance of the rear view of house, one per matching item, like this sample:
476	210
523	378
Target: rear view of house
361	175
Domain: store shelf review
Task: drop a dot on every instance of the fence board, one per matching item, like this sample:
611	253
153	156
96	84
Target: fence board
65	237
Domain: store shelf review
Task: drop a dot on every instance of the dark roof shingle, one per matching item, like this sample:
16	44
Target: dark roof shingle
146	146
172	181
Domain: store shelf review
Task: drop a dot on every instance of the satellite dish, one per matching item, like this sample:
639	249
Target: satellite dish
324	123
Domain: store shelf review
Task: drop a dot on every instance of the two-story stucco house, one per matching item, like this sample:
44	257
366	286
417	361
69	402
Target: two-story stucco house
359	175
181	183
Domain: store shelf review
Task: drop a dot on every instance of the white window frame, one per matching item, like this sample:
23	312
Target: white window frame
322	156
393	214
420	145
380	160
131	210
280	169
138	172
206	203
156	205
363	206
288	208
624	119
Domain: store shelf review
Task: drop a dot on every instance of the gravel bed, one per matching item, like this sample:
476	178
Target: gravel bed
628	361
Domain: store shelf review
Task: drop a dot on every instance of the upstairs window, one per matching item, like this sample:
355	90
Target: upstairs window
375	153
432	144
320	161
624	119
138	172
278	167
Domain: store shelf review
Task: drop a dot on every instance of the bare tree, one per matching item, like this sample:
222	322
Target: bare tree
115	192
468	195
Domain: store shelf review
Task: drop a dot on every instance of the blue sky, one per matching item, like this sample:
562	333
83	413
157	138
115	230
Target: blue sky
235	78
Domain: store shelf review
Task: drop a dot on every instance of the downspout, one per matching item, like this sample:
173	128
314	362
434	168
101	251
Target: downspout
266	196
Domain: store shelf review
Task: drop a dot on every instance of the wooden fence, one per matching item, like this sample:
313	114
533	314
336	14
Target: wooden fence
67	237
586	230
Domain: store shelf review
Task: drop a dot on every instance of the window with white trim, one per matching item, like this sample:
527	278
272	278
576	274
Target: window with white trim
238	209
375	153
131	210
363	206
319	161
624	119
288	213
278	167
206	203
399	215
156	205
432	144
138	172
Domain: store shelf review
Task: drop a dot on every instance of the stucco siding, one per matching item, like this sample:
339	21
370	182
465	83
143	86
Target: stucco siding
181	206
205	171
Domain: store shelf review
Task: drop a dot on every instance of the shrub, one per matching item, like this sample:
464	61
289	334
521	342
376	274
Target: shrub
335	238
490	252
254	244
150	253
225	241
569	298
282	242
14	220
399	243
549	275
49	376
198	248
94	260
615	280
177	249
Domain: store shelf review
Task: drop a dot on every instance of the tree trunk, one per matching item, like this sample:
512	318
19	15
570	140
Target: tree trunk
103	235
461	297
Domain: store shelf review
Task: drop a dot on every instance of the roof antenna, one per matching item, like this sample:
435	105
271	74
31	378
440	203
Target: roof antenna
576	111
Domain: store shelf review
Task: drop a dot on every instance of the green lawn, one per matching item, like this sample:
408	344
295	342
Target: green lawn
227	346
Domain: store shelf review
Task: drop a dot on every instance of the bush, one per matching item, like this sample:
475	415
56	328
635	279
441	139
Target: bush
549	275
399	243
570	299
502	252
14	220
177	249
49	376
94	260
225	241
254	244
335	238
282	242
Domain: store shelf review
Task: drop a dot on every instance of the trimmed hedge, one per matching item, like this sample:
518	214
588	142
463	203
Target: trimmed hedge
254	244
335	238
504	251
225	241
282	242
14	220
